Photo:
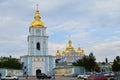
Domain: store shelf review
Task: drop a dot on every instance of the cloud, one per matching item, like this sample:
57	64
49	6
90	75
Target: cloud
69	26
117	31
94	24
13	44
53	47
109	50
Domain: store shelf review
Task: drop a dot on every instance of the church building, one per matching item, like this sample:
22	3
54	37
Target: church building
70	55
65	59
37	57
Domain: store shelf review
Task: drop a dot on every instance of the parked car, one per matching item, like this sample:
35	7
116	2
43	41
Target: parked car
83	76
43	76
80	76
112	74
74	75
9	78
98	76
106	74
109	74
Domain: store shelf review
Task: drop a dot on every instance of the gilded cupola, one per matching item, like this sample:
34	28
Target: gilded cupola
69	47
79	50
58	53
66	50
63	54
83	52
37	22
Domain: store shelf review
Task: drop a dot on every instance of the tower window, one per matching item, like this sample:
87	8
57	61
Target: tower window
38	46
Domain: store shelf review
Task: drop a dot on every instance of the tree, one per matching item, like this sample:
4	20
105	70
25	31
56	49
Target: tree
97	68
92	62
88	62
116	64
11	63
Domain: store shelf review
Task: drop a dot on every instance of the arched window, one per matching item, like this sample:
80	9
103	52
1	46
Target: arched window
38	46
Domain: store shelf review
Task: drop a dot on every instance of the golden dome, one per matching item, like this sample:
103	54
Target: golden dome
37	22
67	50
58	53
70	47
83	52
63	54
79	50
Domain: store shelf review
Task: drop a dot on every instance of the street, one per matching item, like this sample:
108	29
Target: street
56	78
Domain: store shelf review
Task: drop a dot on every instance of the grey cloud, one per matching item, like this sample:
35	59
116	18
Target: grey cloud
107	49
63	15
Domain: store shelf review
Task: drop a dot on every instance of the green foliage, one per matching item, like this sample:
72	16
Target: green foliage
91	62
97	68
116	64
88	62
11	63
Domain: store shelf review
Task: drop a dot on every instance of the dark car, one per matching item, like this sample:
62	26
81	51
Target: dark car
43	76
97	76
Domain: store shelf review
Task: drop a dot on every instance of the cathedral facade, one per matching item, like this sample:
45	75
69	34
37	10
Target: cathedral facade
65	59
70	55
37	58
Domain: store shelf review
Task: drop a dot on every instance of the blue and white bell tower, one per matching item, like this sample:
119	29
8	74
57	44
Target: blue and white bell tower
37	58
37	40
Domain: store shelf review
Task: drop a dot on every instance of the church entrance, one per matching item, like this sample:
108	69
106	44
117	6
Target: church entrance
38	72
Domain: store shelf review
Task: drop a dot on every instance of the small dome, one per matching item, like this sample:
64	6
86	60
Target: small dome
79	50
58	53
63	54
83	52
67	50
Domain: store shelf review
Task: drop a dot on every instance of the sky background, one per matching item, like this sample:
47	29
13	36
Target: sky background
94	25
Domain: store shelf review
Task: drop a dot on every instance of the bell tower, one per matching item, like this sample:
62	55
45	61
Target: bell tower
37	39
37	58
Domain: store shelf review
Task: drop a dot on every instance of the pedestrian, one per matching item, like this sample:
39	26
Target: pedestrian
26	76
53	76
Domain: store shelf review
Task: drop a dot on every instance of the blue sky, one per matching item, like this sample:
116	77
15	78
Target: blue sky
94	25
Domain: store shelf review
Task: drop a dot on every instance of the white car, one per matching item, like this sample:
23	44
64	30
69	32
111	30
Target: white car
112	74
83	76
9	78
106	74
